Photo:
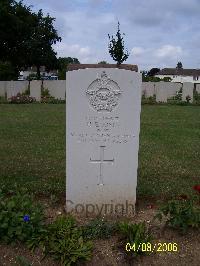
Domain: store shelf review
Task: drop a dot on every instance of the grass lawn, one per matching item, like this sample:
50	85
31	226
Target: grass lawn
32	149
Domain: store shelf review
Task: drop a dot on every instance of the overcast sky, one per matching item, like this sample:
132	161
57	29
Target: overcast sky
158	33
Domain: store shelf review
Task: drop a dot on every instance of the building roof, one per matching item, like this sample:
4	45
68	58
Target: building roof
71	67
179	72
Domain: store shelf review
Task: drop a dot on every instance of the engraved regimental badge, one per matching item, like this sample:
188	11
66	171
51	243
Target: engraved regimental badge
103	93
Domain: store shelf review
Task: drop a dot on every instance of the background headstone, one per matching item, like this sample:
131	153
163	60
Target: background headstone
166	90
188	88
198	88
15	87
161	92
103	123
148	88
57	88
35	89
2	88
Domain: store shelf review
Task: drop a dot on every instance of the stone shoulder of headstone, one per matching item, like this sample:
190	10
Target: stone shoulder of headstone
72	67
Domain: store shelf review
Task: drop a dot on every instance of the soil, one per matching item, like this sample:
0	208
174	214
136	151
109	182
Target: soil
110	251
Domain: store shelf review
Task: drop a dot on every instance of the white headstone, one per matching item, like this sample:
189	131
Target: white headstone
15	87
56	88
35	89
10	89
103	124
187	91
2	88
149	89
161	92
198	88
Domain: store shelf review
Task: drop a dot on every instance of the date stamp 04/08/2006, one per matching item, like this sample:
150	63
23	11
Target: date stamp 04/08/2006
149	247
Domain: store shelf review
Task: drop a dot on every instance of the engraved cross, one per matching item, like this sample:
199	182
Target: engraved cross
101	162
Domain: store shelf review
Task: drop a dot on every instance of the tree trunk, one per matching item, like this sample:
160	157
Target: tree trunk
38	72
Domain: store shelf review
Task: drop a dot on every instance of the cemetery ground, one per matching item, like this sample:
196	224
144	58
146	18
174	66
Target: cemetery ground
32	157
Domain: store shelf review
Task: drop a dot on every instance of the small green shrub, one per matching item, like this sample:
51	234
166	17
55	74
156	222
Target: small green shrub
3	100
99	228
47	98
27	91
20	218
196	97
45	92
188	98
64	241
181	214
22	261
149	100
135	234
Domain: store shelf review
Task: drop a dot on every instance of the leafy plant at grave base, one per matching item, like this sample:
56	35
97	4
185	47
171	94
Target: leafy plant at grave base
196	98
149	100
47	98
135	234
64	241
181	214
3	100
22	261
27	91
188	98
99	228
20	218
45	92
177	99
19	98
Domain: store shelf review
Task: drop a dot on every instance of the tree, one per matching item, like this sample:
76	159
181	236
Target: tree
179	65
7	71
153	71
16	23
26	37
39	46
62	64
116	48
102	62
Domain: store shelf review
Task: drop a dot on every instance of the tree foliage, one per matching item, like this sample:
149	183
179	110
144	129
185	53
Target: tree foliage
179	65
116	48
152	72
39	45
102	62
62	64
7	72
26	37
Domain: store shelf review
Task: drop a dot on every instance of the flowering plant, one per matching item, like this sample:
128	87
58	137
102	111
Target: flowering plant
20	98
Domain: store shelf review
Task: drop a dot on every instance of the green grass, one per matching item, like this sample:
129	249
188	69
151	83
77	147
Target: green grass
32	149
169	158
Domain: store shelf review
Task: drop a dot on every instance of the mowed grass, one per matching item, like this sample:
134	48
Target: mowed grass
32	149
169	157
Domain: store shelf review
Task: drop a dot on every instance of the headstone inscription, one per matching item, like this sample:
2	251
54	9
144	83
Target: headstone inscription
102	139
